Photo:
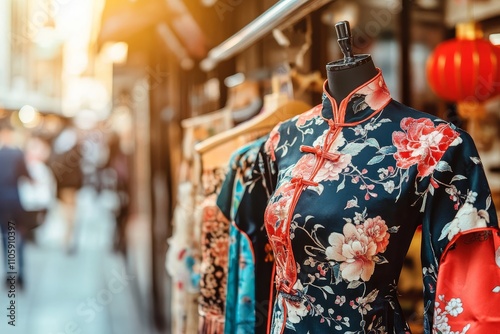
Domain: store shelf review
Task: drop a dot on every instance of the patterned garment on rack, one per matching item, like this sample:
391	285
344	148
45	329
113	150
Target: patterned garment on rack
250	261
214	252
182	263
351	183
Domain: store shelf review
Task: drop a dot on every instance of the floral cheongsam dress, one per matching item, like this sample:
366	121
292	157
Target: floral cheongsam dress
351	183
250	266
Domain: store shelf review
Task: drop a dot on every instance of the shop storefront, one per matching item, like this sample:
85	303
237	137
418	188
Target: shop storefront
206	82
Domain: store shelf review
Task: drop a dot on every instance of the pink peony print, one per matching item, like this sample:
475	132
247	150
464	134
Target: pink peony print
422	144
356	248
304	166
334	251
329	171
376	229
377	94
359	266
277	212
355	251
272	142
308	115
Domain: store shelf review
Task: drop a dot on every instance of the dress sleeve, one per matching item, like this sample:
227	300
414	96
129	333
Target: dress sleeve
265	177
227	200
226	195
456	197
265	165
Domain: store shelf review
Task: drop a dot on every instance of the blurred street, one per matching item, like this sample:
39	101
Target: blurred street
91	290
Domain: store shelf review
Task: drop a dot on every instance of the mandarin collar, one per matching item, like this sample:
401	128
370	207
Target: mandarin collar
362	103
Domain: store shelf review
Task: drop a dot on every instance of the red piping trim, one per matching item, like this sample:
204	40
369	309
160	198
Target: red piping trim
271	300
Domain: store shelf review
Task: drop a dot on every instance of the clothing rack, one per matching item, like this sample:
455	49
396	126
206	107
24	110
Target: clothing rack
283	13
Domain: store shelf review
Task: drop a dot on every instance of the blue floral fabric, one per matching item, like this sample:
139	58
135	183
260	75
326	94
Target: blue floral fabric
350	183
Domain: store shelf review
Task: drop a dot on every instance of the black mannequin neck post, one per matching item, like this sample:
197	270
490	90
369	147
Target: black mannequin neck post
342	80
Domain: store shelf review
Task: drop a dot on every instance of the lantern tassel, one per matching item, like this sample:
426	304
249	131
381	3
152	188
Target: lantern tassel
473	113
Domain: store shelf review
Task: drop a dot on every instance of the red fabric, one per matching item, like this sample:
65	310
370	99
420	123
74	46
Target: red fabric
468	284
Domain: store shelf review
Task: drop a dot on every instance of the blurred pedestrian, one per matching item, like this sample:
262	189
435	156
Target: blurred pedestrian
11	212
65	162
37	195
115	178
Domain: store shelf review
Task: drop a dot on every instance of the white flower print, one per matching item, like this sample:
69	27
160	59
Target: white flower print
454	307
471	197
457	141
467	217
441	322
295	311
359	131
371	126
389	186
453	192
340	300
358	218
353	203
364	303
385	172
339	141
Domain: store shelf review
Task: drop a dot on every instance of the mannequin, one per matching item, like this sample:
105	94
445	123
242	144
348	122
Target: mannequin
347	74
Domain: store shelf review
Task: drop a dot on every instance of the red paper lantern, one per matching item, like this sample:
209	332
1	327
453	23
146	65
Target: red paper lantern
466	68
497	83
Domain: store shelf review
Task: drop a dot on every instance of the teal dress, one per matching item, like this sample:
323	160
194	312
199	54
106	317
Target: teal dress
249	260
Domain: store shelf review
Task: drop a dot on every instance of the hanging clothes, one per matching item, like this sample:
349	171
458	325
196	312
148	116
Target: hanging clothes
184	254
250	260
351	182
182	262
214	255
